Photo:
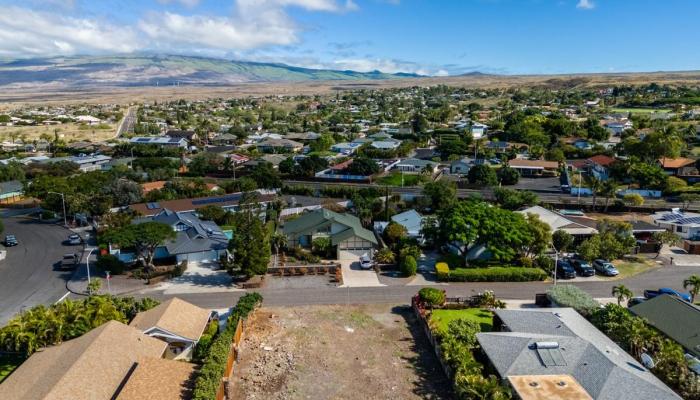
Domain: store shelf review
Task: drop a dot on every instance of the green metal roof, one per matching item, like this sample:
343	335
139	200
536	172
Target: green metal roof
677	319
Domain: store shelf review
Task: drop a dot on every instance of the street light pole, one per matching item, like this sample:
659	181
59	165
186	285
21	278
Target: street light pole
63	200
556	261
87	265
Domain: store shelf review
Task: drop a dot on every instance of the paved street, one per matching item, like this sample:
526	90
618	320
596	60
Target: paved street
28	276
669	276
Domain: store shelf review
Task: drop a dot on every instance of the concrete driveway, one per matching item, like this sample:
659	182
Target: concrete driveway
29	274
354	276
199	278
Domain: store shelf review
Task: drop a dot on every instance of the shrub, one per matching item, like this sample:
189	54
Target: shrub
571	296
432	296
321	246
497	274
305	256
214	362
409	266
443	271
487	300
384	256
179	269
110	263
545	263
453	260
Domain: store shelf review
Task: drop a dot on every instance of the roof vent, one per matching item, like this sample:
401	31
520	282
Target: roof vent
534	384
547	345
561	383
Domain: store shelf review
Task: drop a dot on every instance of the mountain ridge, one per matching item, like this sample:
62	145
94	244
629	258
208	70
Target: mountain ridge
157	70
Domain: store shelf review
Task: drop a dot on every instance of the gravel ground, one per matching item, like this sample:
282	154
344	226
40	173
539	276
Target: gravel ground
336	352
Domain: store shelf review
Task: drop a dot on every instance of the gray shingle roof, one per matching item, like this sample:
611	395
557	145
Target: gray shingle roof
199	236
595	361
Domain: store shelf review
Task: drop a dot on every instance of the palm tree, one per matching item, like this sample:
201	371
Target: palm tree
595	185
607	190
622	293
229	166
278	241
694	282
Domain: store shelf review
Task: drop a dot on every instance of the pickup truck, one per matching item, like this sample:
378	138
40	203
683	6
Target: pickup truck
70	260
650	294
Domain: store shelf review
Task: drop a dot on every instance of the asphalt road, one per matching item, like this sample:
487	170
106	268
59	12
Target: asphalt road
128	122
28	276
667	276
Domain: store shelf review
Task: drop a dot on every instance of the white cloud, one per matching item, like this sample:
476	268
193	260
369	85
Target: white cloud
585	4
26	32
186	3
254	24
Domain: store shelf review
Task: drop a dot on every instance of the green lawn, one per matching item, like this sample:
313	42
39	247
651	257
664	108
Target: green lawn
394	179
8	364
443	317
628	269
641	110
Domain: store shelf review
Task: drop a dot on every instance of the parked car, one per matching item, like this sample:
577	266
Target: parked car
605	268
70	260
635	300
650	294
75	239
366	262
565	270
10	240
582	267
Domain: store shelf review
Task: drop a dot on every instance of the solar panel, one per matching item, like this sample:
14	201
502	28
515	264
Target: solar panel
213	200
152	206
551	357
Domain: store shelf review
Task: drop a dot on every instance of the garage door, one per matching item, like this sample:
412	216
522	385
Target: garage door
353	254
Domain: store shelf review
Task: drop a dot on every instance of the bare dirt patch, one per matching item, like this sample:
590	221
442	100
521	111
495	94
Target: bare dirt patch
70	132
336	352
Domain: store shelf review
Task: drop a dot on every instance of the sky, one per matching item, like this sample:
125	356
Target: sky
429	37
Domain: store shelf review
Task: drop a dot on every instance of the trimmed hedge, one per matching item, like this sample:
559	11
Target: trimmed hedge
492	274
572	296
432	296
442	270
214	363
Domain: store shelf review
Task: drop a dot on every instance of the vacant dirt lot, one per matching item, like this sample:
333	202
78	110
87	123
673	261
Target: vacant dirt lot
336	352
67	132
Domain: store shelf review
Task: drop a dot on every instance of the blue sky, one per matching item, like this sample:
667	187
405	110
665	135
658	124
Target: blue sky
432	37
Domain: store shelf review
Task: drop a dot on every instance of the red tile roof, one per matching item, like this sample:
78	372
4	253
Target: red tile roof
601	159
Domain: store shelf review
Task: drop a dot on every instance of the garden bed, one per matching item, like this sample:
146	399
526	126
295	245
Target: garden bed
441	318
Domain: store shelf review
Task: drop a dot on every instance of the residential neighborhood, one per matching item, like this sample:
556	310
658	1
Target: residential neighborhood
349	199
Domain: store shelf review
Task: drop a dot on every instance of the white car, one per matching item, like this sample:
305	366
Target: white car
74	239
366	262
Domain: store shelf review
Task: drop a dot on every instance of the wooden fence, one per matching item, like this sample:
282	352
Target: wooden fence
231	361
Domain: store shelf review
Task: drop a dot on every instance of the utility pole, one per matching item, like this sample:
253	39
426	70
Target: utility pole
63	200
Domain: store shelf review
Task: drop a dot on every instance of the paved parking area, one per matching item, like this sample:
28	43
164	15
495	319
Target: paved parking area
354	276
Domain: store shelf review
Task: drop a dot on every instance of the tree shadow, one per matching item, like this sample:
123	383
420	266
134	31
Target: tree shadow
432	382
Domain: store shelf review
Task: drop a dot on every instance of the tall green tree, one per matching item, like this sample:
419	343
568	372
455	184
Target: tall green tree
250	244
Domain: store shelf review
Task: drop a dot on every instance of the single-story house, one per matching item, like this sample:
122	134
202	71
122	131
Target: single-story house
461	166
88	119
675	318
411	220
188	135
176	322
195	240
478	130
347	235
533	167
386	144
92	366
599	166
304	137
279	146
227	202
684	224
159	379
274	159
11	192
559	341
557	221
414	165
225	138
164	141
678	166
346	148
85	163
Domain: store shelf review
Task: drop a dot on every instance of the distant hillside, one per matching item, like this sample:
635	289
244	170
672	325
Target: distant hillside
136	71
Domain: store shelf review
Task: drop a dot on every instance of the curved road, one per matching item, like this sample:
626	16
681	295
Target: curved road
28	275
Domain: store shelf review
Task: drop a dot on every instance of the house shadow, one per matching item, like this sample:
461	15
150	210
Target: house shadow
432	382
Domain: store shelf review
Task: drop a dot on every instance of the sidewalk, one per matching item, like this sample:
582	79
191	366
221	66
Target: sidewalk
117	285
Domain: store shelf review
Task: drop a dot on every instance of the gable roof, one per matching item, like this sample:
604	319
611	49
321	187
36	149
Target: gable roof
577	348
92	366
320	216
159	379
189	205
175	316
557	221
677	319
676	162
601	160
10	187
411	220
